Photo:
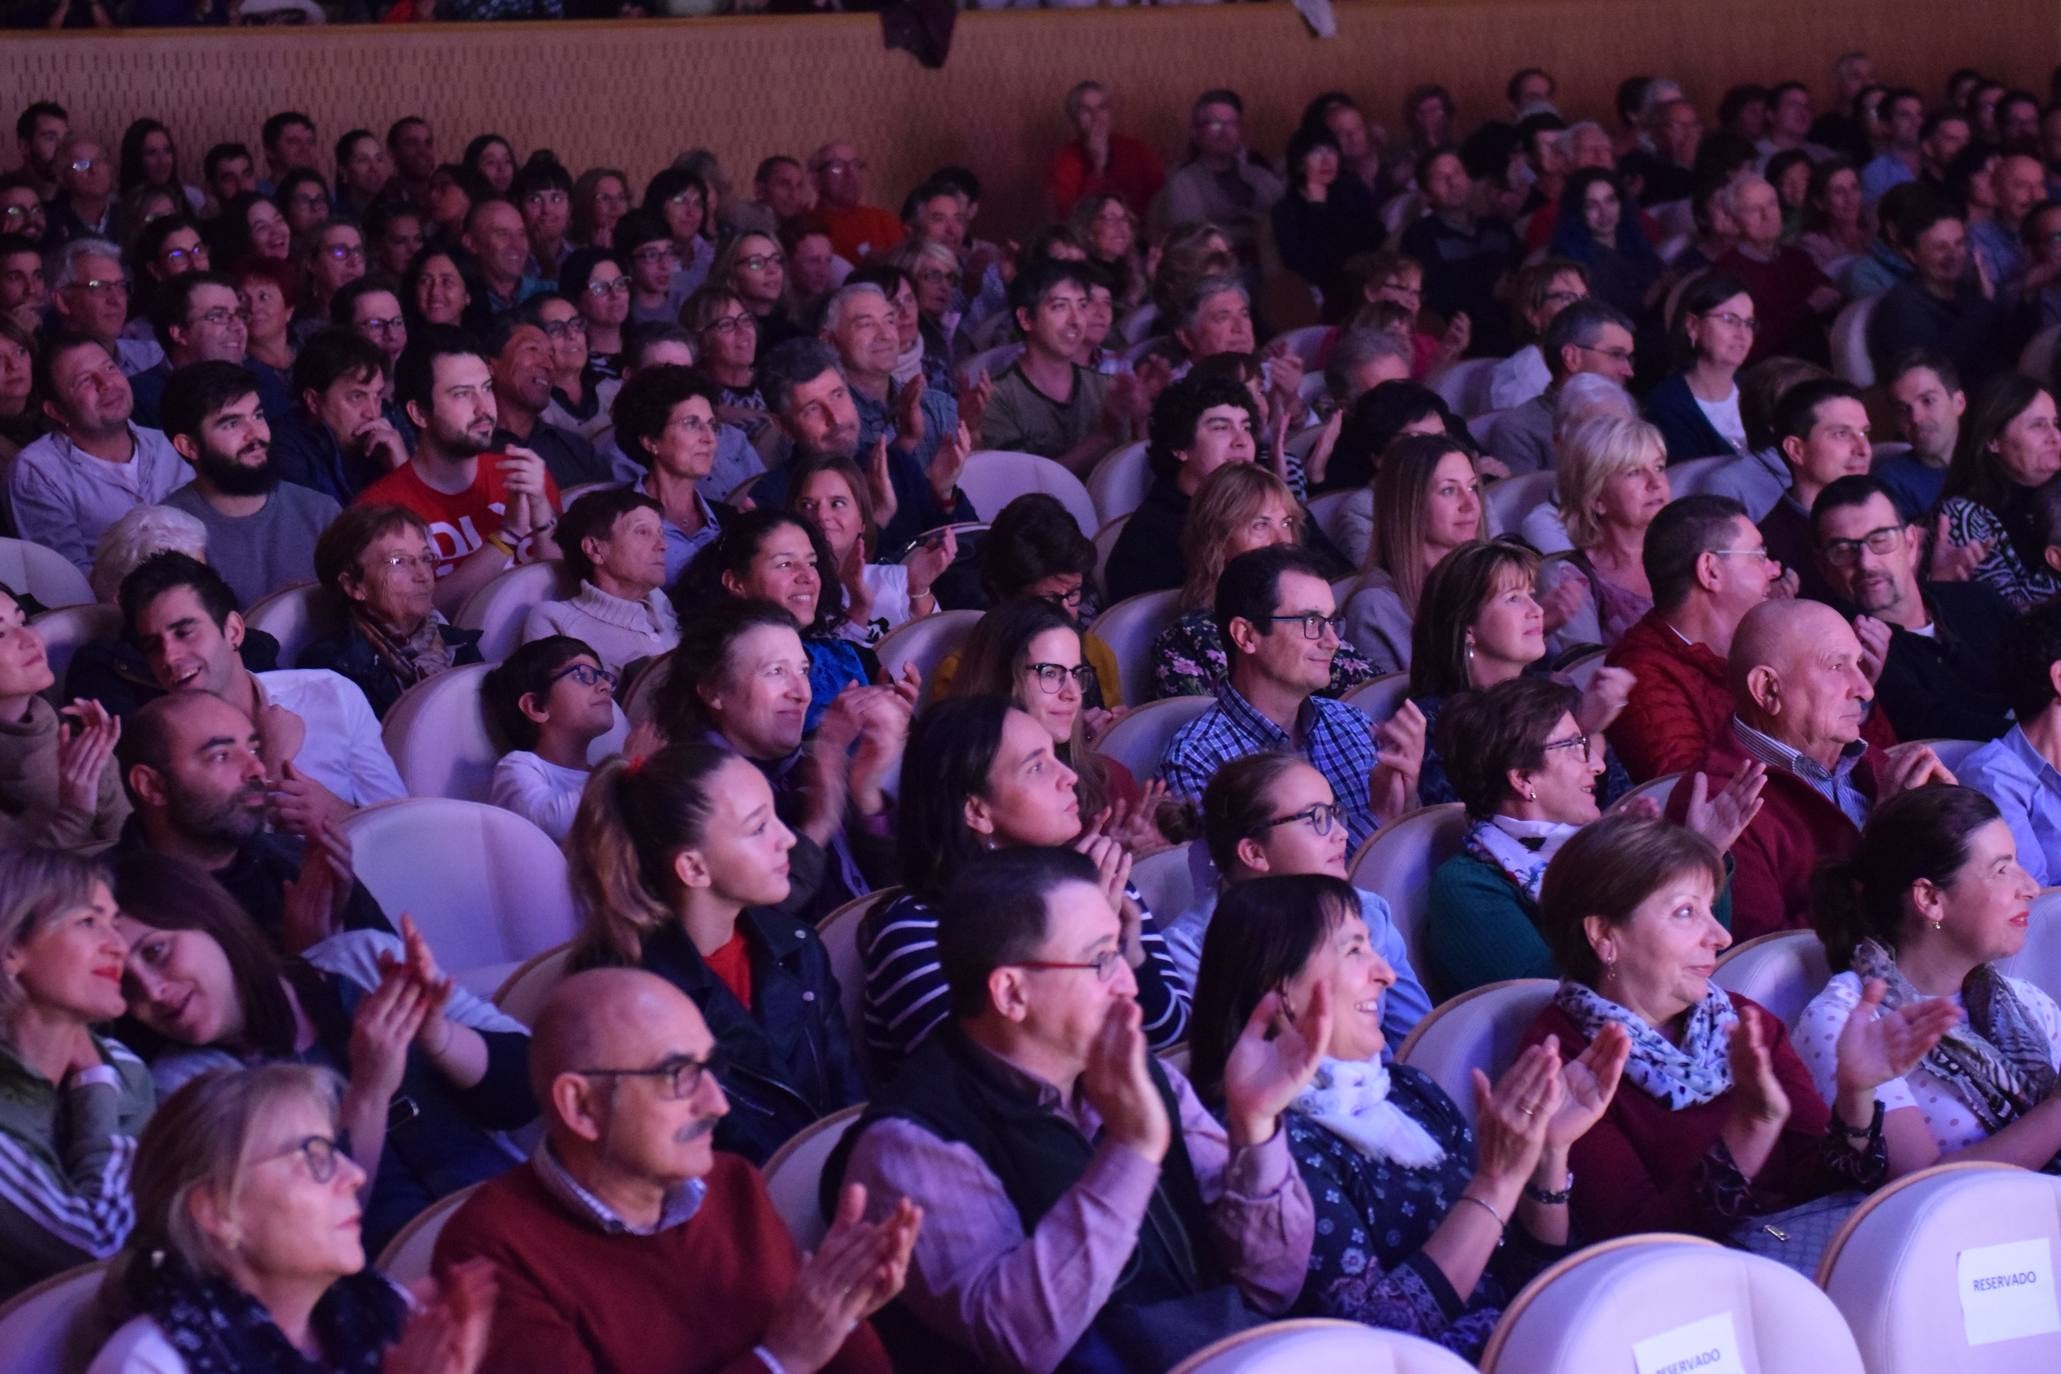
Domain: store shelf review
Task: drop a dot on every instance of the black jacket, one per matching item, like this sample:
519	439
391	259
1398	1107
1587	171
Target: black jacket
1944	685
352	655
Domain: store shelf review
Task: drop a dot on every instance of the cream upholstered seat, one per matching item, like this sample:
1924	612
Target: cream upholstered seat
522	993
498	609
1398	861
406	1257
1129	628
1512	498
1319	1345
1851	361
839	932
296	617
437	736
36	1323
1166	881
995	477
44	574
1139	740
925	643
1380	697
794	1175
1465	386
66	628
1479	1029
1781	970
1119	482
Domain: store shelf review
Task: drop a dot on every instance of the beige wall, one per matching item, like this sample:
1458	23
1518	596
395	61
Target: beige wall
634	93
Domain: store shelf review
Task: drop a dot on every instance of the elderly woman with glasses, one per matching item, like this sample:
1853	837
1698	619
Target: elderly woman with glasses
1527	774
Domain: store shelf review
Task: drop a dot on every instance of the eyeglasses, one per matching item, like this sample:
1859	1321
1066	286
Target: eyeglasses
84	165
546	198
682	1074
413	562
759	262
219	317
320	1152
313	200
1312	622
1319	816
1050	676
1842	553
693	424
600	290
11	213
937	276
730	324
345	252
391	325
1759	555
1726	317
179	257
586	674
1616	355
685	198
1065	601
1560	297
1400	288
1580	742
841	166
558	329
99	284
1105	964
651	255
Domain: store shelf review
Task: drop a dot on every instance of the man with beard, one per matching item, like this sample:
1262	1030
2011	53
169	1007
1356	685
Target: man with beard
521	365
261	532
196	318
323	753
195	770
1046	403
486	511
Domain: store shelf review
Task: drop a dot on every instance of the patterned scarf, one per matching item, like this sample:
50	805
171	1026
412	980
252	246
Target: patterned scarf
1349	1098
1521	849
1685	1075
217	1328
413	658
1997	1060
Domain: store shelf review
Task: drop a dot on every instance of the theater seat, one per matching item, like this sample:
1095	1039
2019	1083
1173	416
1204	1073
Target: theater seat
437	736
1398	862
1781	970
1465	386
36	1323
1582	671
1139	740
988	360
1166	881
296	617
1105	545
1119	482
995	477
1680	1300
497	610
2037	360
1329	512
406	1257
1851	361
485	885
44	574
1479	1029
1512	498
1314	1345
66	628
1903	1269
1380	697
794	1175
1657	790
839	932
1953	752
1693	478
1128	628
1305	343
522	993
925	643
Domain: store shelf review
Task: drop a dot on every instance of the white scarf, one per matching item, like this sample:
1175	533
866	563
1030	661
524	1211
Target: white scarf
1349	1098
1501	841
908	364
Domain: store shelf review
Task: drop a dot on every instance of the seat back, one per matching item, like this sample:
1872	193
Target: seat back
1952	1268
44	574
2037	361
296	617
497	609
1513	498
794	1175
1850	360
63	630
995	477
1380	697
1953	752
1781	970
640	703
839	932
1582	671
1465	386
1329	511
522	993
1305	343
1139	740
1479	1029
1105	545
1166	881
1128	628
1119	482
1398	861
989	360
36	1323
485	885
1657	790
406	1258
1660	1301
1307	1344
437	736
567	497
1693	477
925	643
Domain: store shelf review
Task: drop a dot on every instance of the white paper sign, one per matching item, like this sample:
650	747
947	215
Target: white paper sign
1709	1346
2007	1291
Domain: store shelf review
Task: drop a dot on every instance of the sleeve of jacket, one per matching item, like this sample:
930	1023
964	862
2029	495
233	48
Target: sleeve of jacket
1478	930
1658	731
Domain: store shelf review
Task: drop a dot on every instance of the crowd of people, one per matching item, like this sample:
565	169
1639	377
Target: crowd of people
728	427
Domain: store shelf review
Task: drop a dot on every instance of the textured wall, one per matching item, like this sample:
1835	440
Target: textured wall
634	93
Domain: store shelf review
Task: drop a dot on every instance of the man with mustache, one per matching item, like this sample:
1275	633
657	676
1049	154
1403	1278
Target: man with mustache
629	1243
261	532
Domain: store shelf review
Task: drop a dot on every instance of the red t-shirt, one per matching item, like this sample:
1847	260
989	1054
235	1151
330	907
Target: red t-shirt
732	964
459	522
1133	172
858	232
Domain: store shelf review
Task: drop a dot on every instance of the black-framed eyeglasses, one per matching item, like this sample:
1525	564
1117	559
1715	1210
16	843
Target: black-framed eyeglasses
1745	322
1616	355
1104	964
319	1150
345	252
586	674
1580	742
388	325
1844	553
1318	816
616	287
730	324
1312	622
758	262
558	329
1050	676
681	1074
1065	601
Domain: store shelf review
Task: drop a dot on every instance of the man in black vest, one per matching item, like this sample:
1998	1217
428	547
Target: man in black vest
1082	1209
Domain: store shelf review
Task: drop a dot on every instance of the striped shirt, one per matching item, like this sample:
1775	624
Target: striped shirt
1835	784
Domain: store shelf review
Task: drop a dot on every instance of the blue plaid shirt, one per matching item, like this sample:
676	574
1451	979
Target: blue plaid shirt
1835	785
2027	790
1338	741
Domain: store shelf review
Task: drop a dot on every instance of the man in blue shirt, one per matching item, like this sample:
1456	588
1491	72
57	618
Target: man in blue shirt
2018	772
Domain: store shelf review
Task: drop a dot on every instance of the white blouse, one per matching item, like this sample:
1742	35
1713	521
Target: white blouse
1952	1122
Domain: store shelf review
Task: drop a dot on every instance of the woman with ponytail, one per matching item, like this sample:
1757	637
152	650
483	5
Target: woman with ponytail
676	859
1921	913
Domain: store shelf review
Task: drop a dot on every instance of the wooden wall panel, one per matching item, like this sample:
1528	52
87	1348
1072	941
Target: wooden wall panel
634	93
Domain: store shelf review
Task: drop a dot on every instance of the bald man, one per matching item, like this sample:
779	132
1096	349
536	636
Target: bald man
1800	707
628	1243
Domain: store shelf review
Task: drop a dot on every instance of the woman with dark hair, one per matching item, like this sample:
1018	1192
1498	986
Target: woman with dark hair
433	1071
726	349
448	201
1326	217
769	555
2010	445
303	197
266	289
598	285
1836	224
150	158
678	199
59	783
1599	228
1382	415
1107	228
1413	1206
600	197
980	774
1427	502
444	286
754	267
1919	916
250	226
490	162
21	422
1529	775
1696	407
829	493
680	865
1718	1125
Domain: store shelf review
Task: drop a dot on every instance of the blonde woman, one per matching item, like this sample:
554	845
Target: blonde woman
1239	507
1427	502
1612	482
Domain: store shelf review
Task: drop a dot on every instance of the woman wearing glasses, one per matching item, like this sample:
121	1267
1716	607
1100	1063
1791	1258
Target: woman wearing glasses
249	1253
678	199
432	1072
677	861
598	284
980	774
753	266
1696	407
726	347
575	386
1239	507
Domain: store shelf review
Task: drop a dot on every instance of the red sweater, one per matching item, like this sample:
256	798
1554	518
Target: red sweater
1796	828
1677	708
1637	1168
694	1299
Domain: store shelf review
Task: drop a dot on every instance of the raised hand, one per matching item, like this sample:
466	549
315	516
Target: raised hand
973	405
299	803
880	485
927	563
316	900
857	1270
83	752
1512	1118
1757	1094
1909	765
1119	1088
386	1023
910	422
1588	1082
448	1331
1604	699
1399	744
1564	602
1876	1046
419	963
1112	861
1273	1059
1318	460
1453	344
948	463
1723	819
1136	827
1874	637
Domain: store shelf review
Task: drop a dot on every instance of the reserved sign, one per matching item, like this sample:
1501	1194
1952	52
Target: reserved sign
1709	1346
2007	1291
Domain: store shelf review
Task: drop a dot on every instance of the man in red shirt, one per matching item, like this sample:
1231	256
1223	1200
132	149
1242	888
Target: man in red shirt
1099	160
856	231
486	511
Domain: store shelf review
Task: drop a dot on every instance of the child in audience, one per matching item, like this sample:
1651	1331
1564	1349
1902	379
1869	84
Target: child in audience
546	706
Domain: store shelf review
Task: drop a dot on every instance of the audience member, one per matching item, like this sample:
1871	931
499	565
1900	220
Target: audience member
1045	402
1835	219
499	243
1464	254
665	425
1538	293
1221	182
1925	395
857	231
1938	307
545	706
196	317
1903	121
1612	481
1589	335
1599	227
2017	771
57	786
1383	414
1821	428
1696	407
264	293
612	546
338	438
1791	296
1325	215
2009	446
1427	502
1099	159
519	358
1198	425
836	500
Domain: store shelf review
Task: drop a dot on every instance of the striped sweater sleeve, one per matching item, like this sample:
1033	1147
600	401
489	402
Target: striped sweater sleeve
1162	991
906	995
52	1219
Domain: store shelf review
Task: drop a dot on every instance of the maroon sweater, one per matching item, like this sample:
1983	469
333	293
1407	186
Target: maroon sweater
694	1299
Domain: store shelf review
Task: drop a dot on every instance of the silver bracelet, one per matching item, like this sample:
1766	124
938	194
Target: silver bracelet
1501	1225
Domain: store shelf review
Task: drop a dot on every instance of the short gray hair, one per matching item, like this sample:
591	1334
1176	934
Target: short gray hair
1728	195
833	309
1198	296
1356	348
62	266
141	532
1587	394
